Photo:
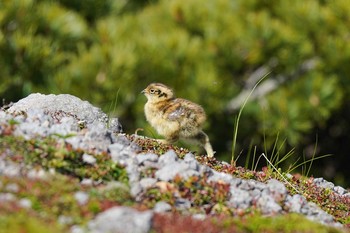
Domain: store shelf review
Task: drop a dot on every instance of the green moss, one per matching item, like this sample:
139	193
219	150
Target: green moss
23	222
204	196
119	194
54	197
289	223
53	153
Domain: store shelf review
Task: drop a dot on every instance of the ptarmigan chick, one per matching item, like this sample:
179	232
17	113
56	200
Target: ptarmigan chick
175	118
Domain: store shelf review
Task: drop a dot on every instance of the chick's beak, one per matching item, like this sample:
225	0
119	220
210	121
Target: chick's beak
143	91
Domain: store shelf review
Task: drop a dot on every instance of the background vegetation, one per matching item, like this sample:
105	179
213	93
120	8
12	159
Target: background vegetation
209	51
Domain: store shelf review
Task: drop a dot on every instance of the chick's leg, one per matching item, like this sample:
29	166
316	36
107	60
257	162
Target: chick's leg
203	139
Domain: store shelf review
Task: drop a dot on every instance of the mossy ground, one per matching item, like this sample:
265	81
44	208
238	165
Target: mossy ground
54	206
22	221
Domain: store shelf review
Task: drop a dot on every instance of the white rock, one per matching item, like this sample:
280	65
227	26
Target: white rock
25	203
89	159
121	220
81	197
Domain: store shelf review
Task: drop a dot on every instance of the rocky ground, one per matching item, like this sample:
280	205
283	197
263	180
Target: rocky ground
65	166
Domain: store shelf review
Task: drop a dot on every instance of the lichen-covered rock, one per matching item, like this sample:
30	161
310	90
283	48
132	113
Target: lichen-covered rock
63	116
59	106
62	107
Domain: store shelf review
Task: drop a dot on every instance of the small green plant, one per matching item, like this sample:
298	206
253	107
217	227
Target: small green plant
114	103
280	174
309	161
23	222
275	159
236	122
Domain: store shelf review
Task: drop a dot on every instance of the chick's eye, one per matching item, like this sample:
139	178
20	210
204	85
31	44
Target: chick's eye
152	91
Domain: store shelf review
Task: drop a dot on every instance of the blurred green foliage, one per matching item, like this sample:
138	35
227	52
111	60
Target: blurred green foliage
22	222
106	51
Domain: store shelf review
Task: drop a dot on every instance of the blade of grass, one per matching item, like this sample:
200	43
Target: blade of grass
313	156
257	162
310	161
274	156
111	112
236	122
292	165
246	165
279	173
285	157
253	161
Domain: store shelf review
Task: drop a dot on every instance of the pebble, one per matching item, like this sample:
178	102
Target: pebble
240	199
121	219
268	205
25	203
114	125
77	229
147	182
87	182
295	203
169	171
169	157
323	183
135	189
276	189
183	204
200	217
9	168
81	197
12	188
89	159
142	158
221	177
64	220
340	190
5	197
162	207
37	174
